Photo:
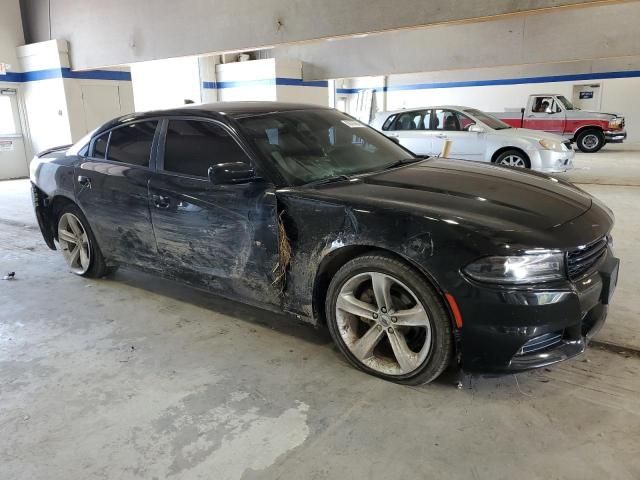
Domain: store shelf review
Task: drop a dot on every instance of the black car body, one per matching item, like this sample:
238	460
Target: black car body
436	216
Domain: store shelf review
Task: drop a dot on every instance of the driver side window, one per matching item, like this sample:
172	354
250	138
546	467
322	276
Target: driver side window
192	146
450	120
545	105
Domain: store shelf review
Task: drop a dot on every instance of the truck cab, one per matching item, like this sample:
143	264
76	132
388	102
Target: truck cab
554	113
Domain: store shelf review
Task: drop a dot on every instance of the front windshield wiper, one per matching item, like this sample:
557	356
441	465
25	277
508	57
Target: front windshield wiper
331	179
404	161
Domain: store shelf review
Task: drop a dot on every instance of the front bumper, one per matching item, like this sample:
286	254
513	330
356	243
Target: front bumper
615	136
509	330
550	161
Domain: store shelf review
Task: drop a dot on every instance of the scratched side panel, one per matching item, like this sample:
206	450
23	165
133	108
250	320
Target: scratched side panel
318	228
117	208
219	237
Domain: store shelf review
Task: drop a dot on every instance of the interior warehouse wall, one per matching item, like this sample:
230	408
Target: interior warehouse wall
618	95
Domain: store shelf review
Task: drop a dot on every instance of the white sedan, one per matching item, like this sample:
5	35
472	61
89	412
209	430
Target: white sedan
475	135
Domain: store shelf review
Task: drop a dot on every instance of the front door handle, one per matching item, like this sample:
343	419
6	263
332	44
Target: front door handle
84	182
161	201
441	135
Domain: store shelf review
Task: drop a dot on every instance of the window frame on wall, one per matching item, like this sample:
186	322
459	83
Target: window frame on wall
107	133
163	138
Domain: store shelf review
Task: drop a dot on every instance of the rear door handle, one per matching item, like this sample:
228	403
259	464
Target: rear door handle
84	182
161	201
441	135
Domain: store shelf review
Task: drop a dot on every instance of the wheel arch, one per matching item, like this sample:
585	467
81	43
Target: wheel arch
57	203
334	260
584	128
501	150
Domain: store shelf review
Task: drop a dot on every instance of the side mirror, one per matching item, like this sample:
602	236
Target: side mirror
475	128
231	173
394	139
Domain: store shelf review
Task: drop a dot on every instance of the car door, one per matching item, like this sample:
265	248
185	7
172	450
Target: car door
111	189
412	131
222	237
449	124
545	113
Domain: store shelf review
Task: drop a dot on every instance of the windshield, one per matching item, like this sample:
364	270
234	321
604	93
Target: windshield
489	120
311	145
567	104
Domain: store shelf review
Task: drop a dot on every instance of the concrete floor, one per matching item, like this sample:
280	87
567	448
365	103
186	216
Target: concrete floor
135	377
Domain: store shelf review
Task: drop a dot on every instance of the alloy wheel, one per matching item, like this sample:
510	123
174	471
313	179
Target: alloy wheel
513	161
383	324
74	243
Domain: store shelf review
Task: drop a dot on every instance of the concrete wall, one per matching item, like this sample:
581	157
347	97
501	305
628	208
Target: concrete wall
165	83
124	31
60	105
606	31
618	95
11	35
270	79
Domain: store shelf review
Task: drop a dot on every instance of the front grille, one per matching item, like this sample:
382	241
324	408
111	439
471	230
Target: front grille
541	342
582	259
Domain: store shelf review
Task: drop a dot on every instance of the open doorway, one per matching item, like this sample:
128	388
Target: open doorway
13	157
587	97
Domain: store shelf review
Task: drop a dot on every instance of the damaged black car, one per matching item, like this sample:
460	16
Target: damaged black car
413	264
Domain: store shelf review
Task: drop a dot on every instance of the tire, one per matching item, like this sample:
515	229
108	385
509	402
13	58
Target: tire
513	158
590	141
89	262
411	342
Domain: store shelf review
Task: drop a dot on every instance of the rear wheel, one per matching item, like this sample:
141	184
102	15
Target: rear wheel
513	158
590	141
388	320
78	244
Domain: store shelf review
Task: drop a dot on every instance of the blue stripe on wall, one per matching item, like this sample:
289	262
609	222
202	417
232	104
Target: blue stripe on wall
504	81
284	81
65	73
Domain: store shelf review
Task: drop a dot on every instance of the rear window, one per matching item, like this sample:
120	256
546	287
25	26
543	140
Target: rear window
388	122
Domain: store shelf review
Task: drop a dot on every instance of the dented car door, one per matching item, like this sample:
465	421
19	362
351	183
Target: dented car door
221	235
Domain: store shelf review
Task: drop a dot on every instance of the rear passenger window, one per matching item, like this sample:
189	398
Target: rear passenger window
100	146
413	120
193	146
132	143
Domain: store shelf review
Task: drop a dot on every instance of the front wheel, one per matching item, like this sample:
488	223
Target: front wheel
590	141
388	320
513	158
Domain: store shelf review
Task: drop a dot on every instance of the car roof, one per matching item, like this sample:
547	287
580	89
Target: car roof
215	110
427	107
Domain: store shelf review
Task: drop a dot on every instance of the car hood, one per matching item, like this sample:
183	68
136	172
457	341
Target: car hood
527	134
589	115
459	192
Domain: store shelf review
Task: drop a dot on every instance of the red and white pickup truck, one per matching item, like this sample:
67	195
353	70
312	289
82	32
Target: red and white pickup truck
554	113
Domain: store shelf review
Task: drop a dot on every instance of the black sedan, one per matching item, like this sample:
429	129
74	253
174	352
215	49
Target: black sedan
412	263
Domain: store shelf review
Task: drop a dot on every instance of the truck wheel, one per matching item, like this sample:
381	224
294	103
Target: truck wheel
590	141
513	158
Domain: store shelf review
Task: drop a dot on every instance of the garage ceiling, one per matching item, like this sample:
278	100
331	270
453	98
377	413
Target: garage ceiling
120	31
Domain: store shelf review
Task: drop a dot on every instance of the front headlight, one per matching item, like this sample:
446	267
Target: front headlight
616	122
533	268
551	145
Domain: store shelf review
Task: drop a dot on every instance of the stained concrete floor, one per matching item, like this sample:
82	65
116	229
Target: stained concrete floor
135	377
